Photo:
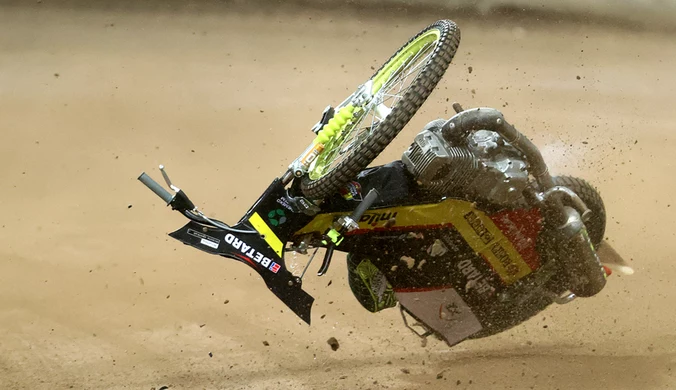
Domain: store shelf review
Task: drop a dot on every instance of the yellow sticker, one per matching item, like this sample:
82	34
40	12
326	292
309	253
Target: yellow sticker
270	237
478	230
487	239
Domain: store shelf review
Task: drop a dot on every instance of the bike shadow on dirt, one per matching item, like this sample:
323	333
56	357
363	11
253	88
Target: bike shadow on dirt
558	367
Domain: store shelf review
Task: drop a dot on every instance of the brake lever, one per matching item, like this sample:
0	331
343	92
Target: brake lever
327	259
180	201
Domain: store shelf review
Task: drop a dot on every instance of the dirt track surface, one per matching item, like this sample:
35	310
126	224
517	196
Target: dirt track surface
93	294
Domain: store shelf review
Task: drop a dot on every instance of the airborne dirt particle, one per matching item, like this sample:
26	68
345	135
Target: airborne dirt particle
333	343
405	370
470	69
409	261
266	343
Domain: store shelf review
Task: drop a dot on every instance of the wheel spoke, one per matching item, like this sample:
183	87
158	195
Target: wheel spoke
413	60
391	92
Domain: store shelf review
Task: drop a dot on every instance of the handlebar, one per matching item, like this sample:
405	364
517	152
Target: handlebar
365	204
156	188
349	223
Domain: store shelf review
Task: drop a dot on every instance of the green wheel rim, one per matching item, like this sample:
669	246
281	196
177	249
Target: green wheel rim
341	130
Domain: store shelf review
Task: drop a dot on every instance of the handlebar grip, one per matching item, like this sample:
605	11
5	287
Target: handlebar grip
156	188
365	204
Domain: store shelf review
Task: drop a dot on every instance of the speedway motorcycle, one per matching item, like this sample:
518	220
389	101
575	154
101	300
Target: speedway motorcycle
468	233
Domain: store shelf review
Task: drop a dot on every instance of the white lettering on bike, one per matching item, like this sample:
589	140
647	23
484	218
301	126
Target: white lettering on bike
474	278
251	253
284	203
236	244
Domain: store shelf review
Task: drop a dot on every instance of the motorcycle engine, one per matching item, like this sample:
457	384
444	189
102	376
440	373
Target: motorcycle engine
481	165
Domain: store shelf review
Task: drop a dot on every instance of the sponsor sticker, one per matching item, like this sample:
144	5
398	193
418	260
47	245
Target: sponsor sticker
284	203
251	253
474	279
211	242
351	191
277	217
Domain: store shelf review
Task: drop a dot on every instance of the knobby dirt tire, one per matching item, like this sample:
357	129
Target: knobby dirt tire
596	226
402	112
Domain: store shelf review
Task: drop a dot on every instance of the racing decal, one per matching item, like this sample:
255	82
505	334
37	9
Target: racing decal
486	239
205	240
249	253
522	228
265	231
352	191
443	310
404	217
285	203
380	290
482	234
374	219
277	217
474	279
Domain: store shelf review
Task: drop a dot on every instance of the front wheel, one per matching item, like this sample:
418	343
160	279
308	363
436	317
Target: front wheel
371	119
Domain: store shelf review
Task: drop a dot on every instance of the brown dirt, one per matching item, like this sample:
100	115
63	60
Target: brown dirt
93	294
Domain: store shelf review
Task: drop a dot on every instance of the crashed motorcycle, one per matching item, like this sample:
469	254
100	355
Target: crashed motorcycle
468	233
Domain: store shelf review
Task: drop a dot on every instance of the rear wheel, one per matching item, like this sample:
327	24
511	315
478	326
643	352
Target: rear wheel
596	225
584	273
396	91
508	317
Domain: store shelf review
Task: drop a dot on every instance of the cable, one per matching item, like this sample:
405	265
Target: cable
203	219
